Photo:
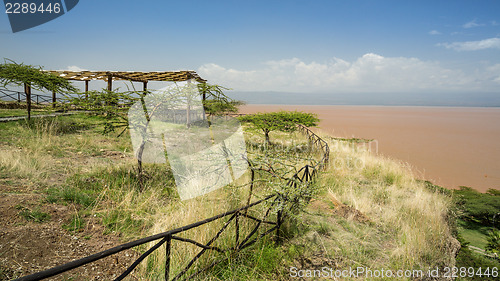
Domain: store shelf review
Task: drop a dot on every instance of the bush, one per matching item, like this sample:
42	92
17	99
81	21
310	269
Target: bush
493	242
466	259
478	206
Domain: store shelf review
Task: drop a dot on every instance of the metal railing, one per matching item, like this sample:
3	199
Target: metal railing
303	175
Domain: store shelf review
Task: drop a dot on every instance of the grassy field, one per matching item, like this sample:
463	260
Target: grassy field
475	233
14	109
366	211
22	112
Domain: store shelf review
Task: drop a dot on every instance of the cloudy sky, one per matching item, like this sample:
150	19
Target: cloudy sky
316	46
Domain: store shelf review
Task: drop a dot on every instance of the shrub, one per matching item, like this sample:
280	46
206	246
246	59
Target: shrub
478	206
493	242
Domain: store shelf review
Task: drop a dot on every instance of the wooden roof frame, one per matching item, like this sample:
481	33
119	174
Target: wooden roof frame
137	76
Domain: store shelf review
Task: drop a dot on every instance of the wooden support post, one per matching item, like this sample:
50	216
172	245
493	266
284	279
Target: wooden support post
167	257
110	87
144	87
54	99
110	82
27	91
86	89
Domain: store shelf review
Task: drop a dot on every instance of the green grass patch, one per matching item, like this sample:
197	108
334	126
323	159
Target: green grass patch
33	215
54	126
116	195
68	194
22	112
123	221
125	177
58	125
264	262
76	223
473	232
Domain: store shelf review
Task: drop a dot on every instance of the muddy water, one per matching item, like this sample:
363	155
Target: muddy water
451	146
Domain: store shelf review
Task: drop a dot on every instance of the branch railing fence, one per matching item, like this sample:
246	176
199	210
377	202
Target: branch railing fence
266	224
10	95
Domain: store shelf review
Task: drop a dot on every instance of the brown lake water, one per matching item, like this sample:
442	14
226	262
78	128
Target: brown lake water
450	146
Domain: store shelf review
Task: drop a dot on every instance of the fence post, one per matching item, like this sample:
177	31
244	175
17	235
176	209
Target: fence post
18	97
53	99
167	256
237	229
278	224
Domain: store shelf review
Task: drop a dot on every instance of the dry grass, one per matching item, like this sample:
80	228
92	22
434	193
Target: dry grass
407	226
409	223
179	213
53	147
22	163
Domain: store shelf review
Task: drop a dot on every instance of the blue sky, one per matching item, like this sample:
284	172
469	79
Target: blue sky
287	46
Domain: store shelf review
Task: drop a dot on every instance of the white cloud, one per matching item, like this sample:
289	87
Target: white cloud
74	68
494	73
368	73
472	24
490	43
434	32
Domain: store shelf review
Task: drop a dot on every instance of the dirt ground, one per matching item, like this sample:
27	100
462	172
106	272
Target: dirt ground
27	247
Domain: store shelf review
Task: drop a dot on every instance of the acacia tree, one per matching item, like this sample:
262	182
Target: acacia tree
112	105
215	101
19	74
12	73
285	121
